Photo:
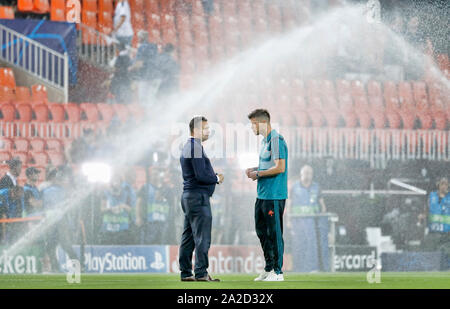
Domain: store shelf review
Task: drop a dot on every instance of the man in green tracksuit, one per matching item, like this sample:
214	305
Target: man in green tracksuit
272	194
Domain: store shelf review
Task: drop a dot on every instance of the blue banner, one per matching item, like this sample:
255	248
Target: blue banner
58	36
120	259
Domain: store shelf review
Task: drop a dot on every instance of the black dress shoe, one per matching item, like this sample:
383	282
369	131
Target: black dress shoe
191	278
207	278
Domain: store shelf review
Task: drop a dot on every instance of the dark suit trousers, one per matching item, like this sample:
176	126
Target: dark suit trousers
196	234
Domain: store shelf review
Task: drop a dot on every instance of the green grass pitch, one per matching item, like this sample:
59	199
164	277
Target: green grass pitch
400	280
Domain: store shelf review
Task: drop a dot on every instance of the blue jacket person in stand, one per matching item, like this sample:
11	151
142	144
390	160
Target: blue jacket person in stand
199	182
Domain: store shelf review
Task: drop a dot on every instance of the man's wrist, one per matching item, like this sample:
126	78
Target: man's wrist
218	179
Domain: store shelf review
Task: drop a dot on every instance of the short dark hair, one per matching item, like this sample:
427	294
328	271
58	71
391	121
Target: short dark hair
259	113
195	120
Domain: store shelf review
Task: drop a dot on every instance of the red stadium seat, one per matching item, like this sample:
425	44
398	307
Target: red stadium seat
91	112
23	94
25	5
316	117
419	91
315	103
54	145
274	17
89	5
343	88
405	94
21	144
90	20
393	119
4	156
357	89
7	78
408	119
361	103
7	94
22	156
73	112
37	144
390	90
25	112
39	93
379	118
42	112
6	12
106	6
152	6
6	144
392	103
350	118
365	120
56	158
57	112
331	117
106	113
41	6
314	89
39	159
376	103
374	89
345	103
58	10
168	30
105	22
426	120
167	6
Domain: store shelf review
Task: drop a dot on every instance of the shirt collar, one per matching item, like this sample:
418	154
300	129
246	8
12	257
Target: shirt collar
269	136
14	179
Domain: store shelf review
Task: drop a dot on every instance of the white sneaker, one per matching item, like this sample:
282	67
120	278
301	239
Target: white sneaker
274	277
263	275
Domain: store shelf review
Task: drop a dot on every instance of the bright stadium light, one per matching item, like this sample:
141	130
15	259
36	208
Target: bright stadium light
248	160
97	172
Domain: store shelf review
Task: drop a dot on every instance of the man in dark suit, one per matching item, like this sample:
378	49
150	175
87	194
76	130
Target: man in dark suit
10	179
198	186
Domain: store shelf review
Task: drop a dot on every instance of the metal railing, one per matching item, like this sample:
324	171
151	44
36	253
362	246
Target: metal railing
95	47
35	59
368	145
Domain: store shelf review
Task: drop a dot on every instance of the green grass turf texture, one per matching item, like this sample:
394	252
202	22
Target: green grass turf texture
400	280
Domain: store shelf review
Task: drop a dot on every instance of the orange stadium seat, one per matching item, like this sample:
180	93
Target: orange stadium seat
350	118
361	103
6	144
316	117
38	159
390	90
105	6
328	88
343	88
329	102
167	6
22	156
331	117
5	156
345	102
168	30
152	7
426	120
392	103
90	111
39	93
25	112
23	94
289	14
57	112
365	119
42	112
379	118
89	19
106	112
313	89
105	22
6	94
443	63
393	119
25	5
405	93
229	8
216	35
89	5
440	121
374	89
8	112
56	158
274	17
58	10
197	8
21	144
73	112
376	103
408	118
37	144
357	88
6	12
7	78
419	91
54	145
41	6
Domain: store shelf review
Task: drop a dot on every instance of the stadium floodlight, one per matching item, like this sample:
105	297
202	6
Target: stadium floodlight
97	172
248	160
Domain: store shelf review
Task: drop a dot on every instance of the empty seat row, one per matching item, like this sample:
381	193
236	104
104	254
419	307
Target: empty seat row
31	144
42	158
